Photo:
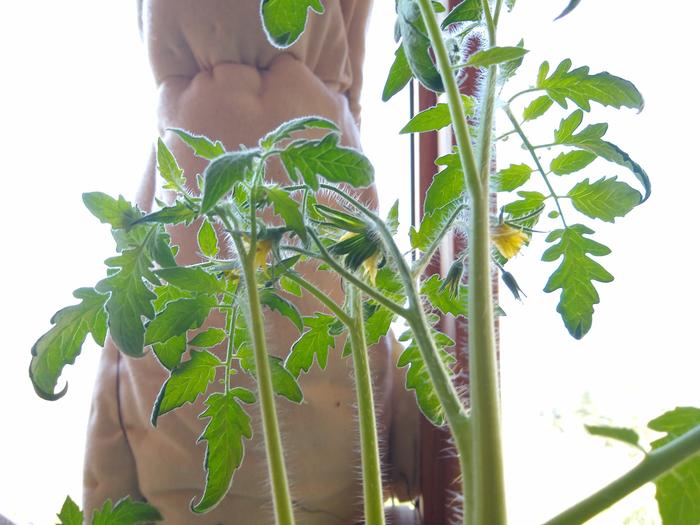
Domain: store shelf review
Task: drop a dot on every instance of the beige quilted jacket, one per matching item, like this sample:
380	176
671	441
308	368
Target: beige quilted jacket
217	75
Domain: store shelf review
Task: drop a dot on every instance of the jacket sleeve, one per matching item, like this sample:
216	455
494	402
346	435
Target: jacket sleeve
109	470
356	17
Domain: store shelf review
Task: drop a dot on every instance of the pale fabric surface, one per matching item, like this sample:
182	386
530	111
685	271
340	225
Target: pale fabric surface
218	76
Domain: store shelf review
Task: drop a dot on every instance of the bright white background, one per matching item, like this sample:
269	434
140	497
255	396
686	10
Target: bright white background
76	107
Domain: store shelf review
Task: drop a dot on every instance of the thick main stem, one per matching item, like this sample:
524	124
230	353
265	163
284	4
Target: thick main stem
487	470
369	444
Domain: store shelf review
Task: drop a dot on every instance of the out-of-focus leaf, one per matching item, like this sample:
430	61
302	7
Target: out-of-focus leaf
465	11
399	75
70	513
570	7
284	20
416	45
125	512
625	435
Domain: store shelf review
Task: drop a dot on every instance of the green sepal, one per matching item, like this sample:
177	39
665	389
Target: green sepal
437	117
288	209
678	491
274	302
624	435
286	129
496	55
70	513
605	199
399	75
191	279
169	353
210	337
61	345
465	11
223	173
228	425
207	239
315	342
512	177
284	20
125	512
178	317
186	382
575	276
325	157
416	45
169	169
201	145
118	213
442	298
581	88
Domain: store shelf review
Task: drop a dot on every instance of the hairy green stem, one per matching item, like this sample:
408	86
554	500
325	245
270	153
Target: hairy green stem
369	444
655	464
322	297
421	264
535	158
230	327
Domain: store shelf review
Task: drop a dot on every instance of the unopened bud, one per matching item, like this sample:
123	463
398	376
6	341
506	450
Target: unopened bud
512	285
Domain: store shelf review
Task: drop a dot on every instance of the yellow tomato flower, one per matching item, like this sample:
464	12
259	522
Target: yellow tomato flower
370	263
508	240
262	249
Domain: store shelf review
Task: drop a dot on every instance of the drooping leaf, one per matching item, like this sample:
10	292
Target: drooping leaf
284	20
530	202
447	185
187	381
399	75
178	213
537	108
70	513
169	353
418	378
202	146
437	117
179	316
169	169
130	298
512	177
581	88
63	342
496	55
443	299
274	302
283	382
575	276
605	199
570	7
625	435
416	45
327	158
228	425
315	342
222	174
118	213
571	162
287	208
678	491
191	279
210	337
286	129
125	512
465	11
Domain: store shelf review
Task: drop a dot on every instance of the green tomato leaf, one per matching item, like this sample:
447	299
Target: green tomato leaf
169	353
581	88
290	286
165	294
125	512
377	323
315	342
605	199
443	299
399	75
169	169
179	316
465	11
537	108
118	213
328	159
160	250
678	491
416	45
567	127
496	55
207	239
418	379
287	208
284	20
447	185
512	177
570	7
625	435
70	513
508	69
210	337
575	276
185	383
178	213
281	305
283	382
286	129
228	425
61	345
201	145
571	162
191	279
437	117
431	225
531	202
222	174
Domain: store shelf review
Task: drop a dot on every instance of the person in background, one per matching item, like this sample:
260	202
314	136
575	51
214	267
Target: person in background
217	75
